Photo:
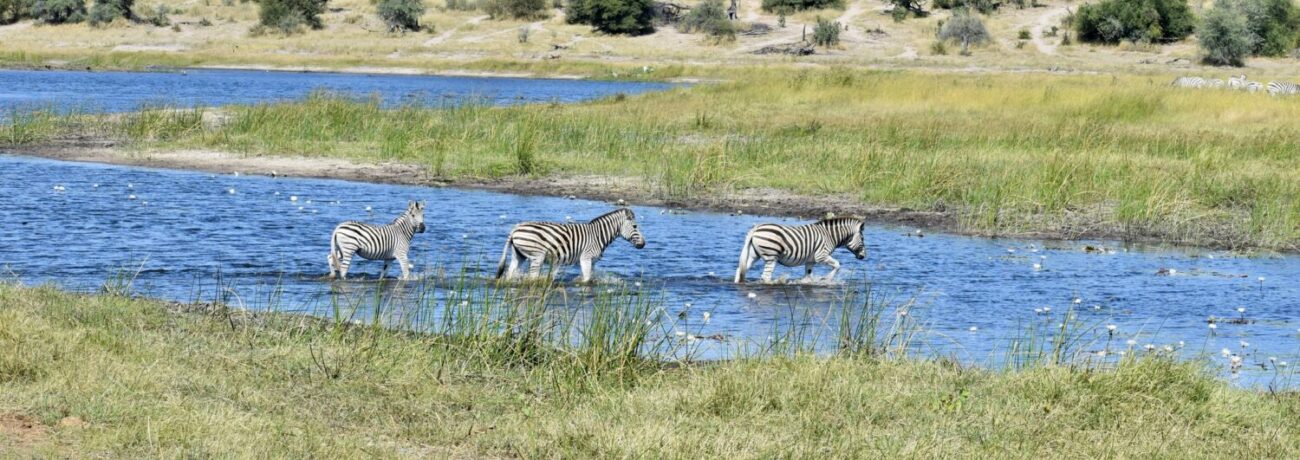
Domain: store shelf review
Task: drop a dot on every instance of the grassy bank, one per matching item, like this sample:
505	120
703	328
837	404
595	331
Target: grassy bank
103	375
1069	156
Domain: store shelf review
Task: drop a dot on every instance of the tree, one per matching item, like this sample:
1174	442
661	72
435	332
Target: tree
105	11
12	11
800	5
902	8
288	15
59	11
1226	38
965	28
401	15
631	17
1113	21
709	17
516	9
1275	24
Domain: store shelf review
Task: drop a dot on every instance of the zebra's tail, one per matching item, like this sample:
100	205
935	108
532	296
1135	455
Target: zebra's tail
505	252
746	253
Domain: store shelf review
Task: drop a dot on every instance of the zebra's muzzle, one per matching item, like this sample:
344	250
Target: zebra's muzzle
639	244
420	228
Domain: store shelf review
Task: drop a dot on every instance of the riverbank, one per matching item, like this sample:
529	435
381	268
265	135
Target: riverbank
91	375
1042	156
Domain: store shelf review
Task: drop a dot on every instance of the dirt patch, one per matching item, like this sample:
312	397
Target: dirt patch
20	431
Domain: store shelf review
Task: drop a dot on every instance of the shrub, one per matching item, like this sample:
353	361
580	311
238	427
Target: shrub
773	6
938	48
1274	24
59	11
826	32
965	28
983	6
290	15
709	17
1113	21
401	15
461	5
904	8
159	17
105	11
632	17
12	11
1024	34
1225	35
515	9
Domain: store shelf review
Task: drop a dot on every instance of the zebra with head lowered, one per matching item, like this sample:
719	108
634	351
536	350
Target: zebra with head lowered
376	242
806	245
1188	82
567	243
1282	88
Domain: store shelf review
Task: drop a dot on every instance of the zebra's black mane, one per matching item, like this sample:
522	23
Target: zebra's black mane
627	211
838	220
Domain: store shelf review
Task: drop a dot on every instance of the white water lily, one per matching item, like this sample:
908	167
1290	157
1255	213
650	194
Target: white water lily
293	198
1169	348
707	315
752	295
1111	327
1225	352
1131	342
230	191
974	328
1241	309
1245	344
1214	326
1150	347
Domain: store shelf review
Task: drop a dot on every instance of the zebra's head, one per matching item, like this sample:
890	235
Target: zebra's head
630	231
857	243
414	215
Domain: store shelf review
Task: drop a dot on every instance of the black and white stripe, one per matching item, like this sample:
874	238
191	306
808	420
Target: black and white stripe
1282	88
1238	82
567	243
1188	82
376	242
806	245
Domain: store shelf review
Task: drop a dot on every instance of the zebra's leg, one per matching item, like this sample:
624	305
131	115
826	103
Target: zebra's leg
807	273
333	266
835	267
769	266
383	271
405	265
514	266
344	260
535	267
586	270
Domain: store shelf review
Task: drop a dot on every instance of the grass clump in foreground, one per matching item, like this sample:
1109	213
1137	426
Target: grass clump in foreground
1073	155
107	375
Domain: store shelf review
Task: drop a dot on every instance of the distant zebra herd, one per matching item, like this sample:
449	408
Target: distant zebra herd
1239	83
582	244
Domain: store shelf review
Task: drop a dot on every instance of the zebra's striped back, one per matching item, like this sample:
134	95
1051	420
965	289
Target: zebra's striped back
570	243
801	245
1188	82
1215	83
1282	88
1237	82
1254	87
376	242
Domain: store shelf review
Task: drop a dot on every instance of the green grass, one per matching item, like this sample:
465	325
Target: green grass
1003	154
151	379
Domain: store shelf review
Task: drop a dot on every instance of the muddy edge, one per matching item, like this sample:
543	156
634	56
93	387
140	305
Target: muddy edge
610	189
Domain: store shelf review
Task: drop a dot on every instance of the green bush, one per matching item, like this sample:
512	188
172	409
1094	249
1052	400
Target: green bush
401	15
964	27
709	17
631	17
290	15
461	5
159	17
800	5
105	11
12	11
904	8
515	9
1274	24
1225	35
1113	21
983	6
59	11
826	32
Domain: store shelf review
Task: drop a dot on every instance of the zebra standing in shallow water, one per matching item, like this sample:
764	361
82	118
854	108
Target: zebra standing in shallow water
806	245
567	243
376	242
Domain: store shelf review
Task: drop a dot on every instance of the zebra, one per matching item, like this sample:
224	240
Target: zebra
1215	83
1254	87
1238	82
806	245
1188	82
1282	88
376	242
567	243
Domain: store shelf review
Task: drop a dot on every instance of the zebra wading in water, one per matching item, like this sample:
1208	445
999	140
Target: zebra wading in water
376	242
567	243
806	245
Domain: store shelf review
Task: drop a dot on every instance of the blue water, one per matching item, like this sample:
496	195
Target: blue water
125	91
183	228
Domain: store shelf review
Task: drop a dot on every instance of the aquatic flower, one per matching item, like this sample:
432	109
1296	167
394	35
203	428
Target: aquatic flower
1096	307
230	191
293	197
308	201
711	274
1225	352
1169	348
707	315
1150	347
236	173
974	328
1180	344
94	186
300	208
464	303
1272	359
1131	342
1241	309
130	197
752	295
1077	301
1281	364
503	216
1101	353
680	334
276	193
1047	309
59	188
1038	311
637	284
1011	250
689	305
1244	344
1261	279
129	185
1213	326
902	313
1038	267
1111	327
1173	272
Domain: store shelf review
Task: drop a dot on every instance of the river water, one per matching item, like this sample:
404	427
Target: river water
266	238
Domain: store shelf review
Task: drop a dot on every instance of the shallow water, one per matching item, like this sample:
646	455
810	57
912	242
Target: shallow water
125	91
183	228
